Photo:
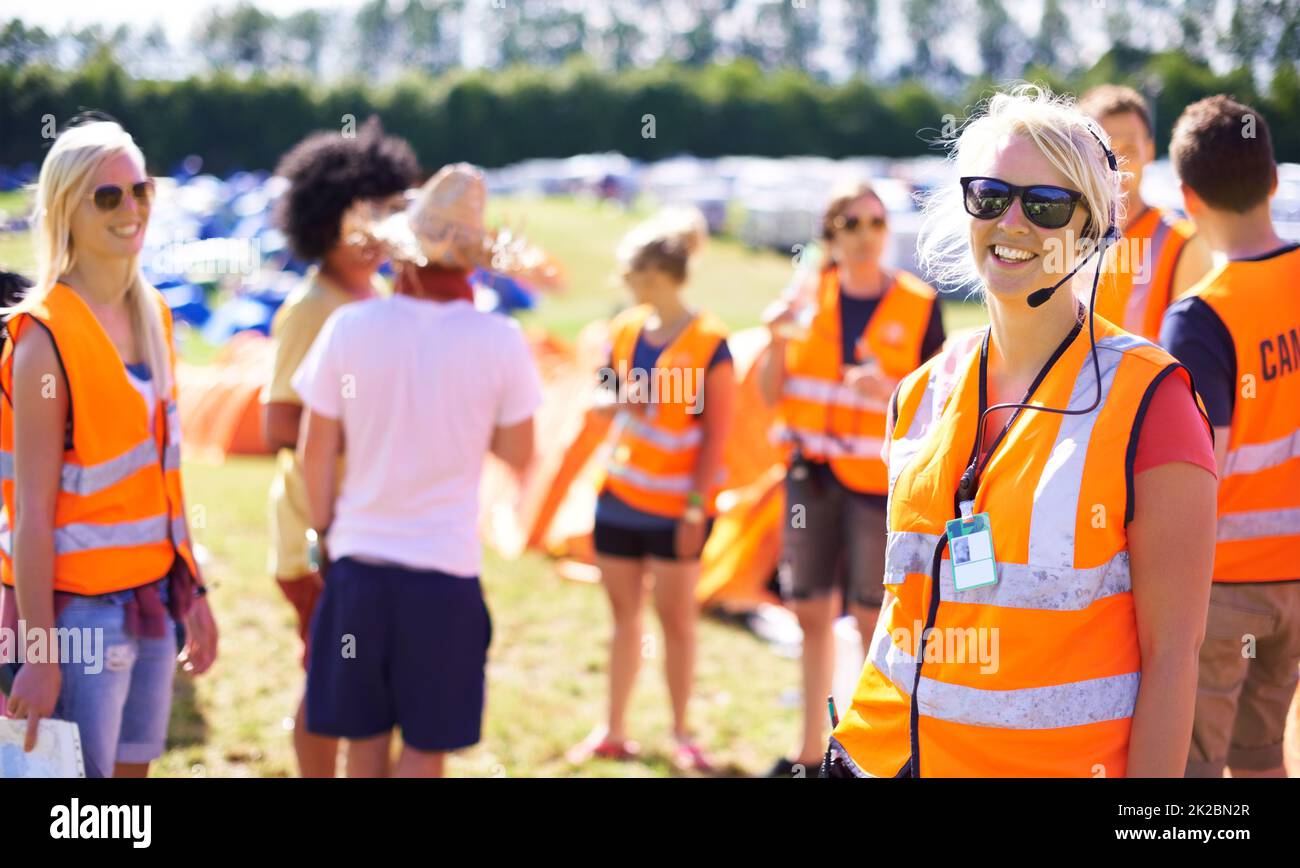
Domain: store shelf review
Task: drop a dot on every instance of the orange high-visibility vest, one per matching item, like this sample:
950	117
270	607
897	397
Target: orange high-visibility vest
1138	283
118	515
1055	695
653	464
1259	483
828	421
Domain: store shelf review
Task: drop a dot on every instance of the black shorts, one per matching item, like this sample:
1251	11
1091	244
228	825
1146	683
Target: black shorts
626	542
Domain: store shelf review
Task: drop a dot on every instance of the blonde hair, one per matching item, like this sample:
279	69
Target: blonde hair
66	178
665	242
1065	136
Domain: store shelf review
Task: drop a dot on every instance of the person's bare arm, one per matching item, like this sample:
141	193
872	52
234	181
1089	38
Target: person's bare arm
1220	446
318	452
771	370
1193	263
1171	555
40	408
719	398
281	422
513	444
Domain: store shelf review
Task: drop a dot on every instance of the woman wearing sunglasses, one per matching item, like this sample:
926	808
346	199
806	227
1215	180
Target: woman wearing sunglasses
871	326
1061	635
96	542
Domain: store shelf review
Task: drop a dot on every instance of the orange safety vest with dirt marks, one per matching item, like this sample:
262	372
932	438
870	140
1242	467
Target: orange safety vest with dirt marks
1259	483
1038	673
1138	282
827	420
653	465
118	516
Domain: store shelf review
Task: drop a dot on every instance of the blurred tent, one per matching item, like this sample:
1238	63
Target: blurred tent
220	411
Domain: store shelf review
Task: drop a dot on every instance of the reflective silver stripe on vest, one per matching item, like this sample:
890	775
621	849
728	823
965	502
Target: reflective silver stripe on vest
180	530
819	443
667	440
1056	499
1019	586
73	538
674	484
1136	308
1259	523
88	479
1077	703
826	392
1261	456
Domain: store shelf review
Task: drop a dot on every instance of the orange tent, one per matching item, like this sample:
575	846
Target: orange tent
218	402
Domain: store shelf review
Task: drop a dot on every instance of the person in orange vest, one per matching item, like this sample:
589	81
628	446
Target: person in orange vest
672	382
1238	332
871	326
1160	255
95	540
328	175
1051	495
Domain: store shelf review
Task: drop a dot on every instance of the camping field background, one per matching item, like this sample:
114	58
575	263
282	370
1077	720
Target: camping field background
546	670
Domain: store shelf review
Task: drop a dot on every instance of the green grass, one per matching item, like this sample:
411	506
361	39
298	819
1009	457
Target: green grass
546	675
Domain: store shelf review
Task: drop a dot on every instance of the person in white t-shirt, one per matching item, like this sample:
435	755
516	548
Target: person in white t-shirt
416	389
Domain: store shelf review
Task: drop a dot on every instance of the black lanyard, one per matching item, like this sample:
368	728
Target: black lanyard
970	479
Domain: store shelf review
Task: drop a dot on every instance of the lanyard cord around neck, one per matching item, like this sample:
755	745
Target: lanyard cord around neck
970	478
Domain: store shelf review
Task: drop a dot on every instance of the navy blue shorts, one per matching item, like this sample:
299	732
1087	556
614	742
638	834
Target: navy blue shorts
397	647
619	541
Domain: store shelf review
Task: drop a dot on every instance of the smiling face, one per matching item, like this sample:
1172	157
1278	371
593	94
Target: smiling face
1012	255
118	233
865	243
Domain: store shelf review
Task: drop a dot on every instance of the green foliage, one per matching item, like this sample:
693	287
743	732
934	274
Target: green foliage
497	117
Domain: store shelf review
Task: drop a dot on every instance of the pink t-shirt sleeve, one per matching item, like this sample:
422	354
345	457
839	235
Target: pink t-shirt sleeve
1174	430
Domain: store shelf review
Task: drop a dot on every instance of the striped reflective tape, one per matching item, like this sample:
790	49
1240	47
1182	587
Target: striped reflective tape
1075	703
88	479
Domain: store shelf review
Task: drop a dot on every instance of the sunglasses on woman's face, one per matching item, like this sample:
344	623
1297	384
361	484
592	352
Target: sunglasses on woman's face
1046	206
108	197
851	224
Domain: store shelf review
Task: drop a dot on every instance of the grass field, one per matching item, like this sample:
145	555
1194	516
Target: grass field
547	665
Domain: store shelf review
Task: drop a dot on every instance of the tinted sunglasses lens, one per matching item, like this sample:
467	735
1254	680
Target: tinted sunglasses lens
143	192
1049	207
987	199
108	197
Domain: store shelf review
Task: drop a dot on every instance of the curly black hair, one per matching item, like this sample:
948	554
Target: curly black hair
327	172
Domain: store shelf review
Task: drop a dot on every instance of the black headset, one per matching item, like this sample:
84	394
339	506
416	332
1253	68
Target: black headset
969	479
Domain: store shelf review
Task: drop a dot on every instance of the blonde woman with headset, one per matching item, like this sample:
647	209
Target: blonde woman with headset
1051	494
95	536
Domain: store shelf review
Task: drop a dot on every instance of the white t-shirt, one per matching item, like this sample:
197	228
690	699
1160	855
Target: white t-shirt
420	386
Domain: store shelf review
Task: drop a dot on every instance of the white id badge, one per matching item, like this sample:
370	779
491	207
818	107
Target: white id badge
970	546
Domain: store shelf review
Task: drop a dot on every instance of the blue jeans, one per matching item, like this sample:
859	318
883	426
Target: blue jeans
121	703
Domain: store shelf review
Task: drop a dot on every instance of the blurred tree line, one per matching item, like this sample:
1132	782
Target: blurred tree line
556	78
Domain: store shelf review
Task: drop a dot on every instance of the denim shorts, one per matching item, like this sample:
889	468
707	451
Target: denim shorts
120	693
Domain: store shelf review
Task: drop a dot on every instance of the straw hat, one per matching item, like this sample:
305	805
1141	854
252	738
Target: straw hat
443	225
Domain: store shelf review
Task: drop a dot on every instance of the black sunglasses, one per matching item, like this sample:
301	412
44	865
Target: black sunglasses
1046	206
109	196
851	224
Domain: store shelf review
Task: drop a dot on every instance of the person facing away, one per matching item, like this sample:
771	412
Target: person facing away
328	175
1238	332
414	392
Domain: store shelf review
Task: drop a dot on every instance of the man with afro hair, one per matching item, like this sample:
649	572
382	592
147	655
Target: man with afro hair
328	173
